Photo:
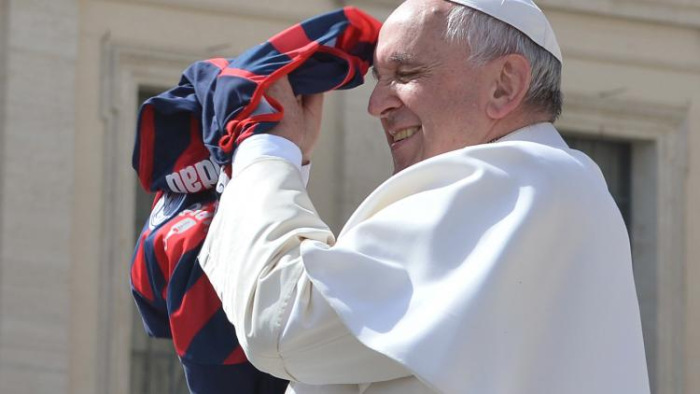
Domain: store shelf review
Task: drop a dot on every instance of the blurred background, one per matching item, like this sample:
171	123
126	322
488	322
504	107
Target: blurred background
72	76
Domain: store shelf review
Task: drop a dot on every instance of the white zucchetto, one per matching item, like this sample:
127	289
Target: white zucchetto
523	15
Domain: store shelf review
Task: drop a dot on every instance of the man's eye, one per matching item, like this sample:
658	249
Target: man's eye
406	76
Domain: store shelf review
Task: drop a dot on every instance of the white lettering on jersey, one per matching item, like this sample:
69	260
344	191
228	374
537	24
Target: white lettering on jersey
187	219
189	178
195	178
175	183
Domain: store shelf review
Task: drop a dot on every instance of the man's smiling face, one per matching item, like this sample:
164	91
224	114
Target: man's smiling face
428	97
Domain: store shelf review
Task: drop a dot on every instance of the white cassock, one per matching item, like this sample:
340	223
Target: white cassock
502	268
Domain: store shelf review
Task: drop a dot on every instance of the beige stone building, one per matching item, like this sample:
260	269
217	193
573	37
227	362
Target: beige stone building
72	73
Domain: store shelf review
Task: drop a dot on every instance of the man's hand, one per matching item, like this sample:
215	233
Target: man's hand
301	123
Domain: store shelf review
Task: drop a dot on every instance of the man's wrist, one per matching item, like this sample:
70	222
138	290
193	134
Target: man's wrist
269	145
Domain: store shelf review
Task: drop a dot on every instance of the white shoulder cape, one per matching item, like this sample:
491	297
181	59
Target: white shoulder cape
497	269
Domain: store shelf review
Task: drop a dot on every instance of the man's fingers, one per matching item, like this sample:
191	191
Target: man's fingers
313	103
302	116
281	90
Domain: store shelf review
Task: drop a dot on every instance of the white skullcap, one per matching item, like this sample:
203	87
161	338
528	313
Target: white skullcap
523	15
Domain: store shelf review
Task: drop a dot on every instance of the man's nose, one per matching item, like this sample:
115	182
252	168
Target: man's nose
382	100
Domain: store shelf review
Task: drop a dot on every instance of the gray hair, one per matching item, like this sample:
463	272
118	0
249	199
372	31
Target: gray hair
488	38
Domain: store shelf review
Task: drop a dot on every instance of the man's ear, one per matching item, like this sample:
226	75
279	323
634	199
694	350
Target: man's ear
511	81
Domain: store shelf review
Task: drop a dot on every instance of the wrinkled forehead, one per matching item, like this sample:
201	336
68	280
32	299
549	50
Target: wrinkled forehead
414	22
420	13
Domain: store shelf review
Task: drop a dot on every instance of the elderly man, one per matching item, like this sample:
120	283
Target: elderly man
494	261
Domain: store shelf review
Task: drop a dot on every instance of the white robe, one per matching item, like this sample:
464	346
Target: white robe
497	269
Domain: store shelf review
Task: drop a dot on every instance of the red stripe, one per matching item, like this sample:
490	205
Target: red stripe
139	272
198	306
291	40
168	253
182	242
236	357
348	38
243	129
237	72
195	152
246	132
219	62
365	27
147	143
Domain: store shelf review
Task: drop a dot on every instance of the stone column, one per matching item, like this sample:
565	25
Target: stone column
37	123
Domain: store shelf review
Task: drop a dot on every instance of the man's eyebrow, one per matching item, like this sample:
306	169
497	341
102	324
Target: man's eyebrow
402	58
398	59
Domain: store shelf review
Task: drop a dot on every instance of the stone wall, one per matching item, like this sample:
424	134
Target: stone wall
37	124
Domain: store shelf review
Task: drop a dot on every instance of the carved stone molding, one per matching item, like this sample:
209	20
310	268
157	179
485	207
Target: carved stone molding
673	12
282	10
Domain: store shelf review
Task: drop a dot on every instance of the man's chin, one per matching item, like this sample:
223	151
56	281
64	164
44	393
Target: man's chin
400	166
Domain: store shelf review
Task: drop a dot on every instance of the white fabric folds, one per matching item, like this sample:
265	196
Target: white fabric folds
500	268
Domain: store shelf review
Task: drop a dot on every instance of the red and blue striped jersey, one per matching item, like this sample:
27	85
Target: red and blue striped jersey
185	136
176	300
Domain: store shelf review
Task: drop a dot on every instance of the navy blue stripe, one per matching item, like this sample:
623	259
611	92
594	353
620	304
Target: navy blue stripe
325	27
262	60
230	379
214	342
186	274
